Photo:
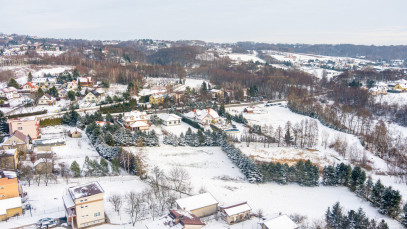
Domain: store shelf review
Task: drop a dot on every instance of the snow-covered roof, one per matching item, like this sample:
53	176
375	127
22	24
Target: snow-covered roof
236	208
201	114
134	116
68	201
9	152
280	222
196	202
9	203
8	174
85	79
85	190
165	222
41	160
169	117
138	124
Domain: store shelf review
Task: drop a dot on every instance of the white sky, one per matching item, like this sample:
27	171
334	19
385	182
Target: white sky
381	22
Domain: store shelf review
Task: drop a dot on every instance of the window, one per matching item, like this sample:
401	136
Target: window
3	195
20	128
97	214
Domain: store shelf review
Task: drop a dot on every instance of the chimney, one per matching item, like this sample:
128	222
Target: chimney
194	110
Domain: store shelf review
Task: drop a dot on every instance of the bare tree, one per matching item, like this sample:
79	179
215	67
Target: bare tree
27	173
180	180
116	201
135	206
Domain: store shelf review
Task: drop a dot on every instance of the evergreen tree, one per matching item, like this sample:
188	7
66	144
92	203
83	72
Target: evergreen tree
115	166
30	77
70	118
13	83
287	137
109	139
390	202
329	176
377	192
404	219
71	95
53	91
75	169
40	92
368	188
357	181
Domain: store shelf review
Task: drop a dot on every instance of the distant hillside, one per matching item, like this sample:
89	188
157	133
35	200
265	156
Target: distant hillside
371	52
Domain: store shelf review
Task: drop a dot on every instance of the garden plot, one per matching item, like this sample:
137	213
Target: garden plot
76	149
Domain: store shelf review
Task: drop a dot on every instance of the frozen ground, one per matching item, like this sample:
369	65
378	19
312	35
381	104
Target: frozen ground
392	98
244	57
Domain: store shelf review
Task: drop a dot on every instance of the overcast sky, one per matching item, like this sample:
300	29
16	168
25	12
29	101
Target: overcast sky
382	22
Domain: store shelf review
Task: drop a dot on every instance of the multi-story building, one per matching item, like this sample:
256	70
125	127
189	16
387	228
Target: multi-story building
27	126
84	205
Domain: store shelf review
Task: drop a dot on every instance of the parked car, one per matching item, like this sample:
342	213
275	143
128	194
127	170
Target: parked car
45	223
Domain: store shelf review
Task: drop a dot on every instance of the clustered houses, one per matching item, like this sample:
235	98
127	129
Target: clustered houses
157	98
136	120
205	117
84	205
9	93
191	209
10	195
381	88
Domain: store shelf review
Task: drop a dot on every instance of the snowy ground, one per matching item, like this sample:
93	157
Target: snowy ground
59	105
392	98
21	71
76	149
209	167
244	57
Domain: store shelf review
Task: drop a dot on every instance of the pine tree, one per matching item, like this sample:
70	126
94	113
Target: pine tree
13	83
390	202
357	181
75	169
104	166
115	166
404	219
329	176
377	192
368	188
30	77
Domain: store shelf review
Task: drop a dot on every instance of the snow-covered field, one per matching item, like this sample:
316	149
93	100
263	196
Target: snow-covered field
244	57
21	71
392	98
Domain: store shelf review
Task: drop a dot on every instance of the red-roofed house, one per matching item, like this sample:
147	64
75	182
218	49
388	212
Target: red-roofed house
177	219
30	86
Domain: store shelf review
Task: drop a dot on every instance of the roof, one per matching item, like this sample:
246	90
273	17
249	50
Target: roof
197	201
169	117
31	84
85	190
8	152
20	136
48	96
95	93
138	124
9	203
280	222
68	201
85	79
186	217
236	208
42	160
8	174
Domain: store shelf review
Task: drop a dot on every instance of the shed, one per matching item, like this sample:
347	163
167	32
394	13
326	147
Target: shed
200	205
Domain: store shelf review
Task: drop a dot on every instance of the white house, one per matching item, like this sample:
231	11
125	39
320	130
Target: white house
9	93
46	99
73	85
200	205
170	119
282	221
206	116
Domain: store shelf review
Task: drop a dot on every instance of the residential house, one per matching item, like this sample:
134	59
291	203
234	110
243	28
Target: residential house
177	219
205	117
18	141
46	99
71	86
282	221
200	205
9	159
75	134
10	207
85	81
401	86
170	119
28	126
9	93
92	97
84	205
9	186
30	87
216	93
177	96
236	212
136	120
157	98
248	110
44	164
